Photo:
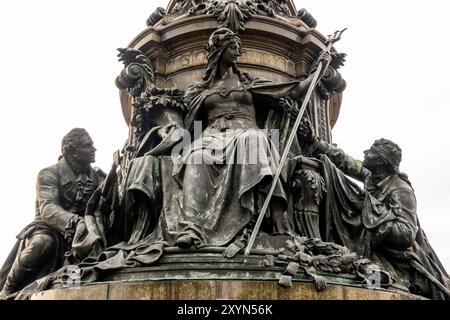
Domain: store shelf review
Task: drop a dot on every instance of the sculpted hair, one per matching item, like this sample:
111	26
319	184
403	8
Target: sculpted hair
391	154
217	44
70	140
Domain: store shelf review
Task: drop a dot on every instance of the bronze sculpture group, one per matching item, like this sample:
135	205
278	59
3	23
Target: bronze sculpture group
168	190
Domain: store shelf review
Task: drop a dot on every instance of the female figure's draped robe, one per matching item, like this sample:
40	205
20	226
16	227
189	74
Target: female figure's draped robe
227	171
234	202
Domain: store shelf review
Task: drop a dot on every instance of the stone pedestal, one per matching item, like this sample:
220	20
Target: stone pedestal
188	275
217	289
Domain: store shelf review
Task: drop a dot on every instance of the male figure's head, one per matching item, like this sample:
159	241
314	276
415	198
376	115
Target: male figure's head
78	148
384	156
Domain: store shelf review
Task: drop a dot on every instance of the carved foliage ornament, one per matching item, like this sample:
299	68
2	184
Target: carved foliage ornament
151	102
138	79
233	14
137	76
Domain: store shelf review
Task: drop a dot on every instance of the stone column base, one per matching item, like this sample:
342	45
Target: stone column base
217	289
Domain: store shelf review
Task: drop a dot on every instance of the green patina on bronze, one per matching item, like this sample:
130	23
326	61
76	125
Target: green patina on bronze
162	226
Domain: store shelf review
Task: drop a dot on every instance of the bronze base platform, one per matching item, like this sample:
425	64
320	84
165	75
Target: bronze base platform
207	274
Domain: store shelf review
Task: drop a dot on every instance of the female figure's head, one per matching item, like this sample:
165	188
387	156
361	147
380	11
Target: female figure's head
224	47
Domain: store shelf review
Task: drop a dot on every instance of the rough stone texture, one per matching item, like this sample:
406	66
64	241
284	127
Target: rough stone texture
217	289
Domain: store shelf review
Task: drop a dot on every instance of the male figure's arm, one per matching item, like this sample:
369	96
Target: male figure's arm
50	210
350	166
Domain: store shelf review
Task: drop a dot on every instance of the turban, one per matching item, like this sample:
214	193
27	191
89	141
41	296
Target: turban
389	151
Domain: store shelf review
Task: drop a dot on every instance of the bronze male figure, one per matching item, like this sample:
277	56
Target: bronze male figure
62	193
386	228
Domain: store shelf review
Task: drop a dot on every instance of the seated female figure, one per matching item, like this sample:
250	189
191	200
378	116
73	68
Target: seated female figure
226	172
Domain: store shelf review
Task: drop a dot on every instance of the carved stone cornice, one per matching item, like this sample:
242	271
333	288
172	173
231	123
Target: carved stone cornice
281	7
232	14
279	46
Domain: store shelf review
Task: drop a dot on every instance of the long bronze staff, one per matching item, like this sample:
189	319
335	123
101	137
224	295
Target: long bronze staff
331	40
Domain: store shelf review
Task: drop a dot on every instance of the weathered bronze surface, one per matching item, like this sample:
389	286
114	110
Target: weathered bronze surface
388	230
211	91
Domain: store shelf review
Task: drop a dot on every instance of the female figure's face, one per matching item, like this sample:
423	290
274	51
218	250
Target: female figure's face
231	53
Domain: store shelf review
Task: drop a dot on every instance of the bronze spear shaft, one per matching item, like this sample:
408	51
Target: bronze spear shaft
331	40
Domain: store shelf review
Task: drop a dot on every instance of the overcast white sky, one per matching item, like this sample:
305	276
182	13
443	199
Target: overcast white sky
58	64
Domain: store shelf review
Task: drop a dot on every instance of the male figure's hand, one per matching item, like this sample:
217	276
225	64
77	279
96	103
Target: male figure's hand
325	58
